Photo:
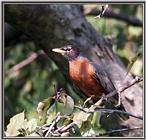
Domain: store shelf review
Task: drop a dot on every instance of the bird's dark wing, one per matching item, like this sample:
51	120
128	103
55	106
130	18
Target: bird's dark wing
102	77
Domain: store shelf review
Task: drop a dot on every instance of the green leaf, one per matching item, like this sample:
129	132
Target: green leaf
80	117
42	109
51	113
66	105
61	122
135	31
32	124
28	86
96	119
17	122
77	132
85	128
132	62
64	121
89	130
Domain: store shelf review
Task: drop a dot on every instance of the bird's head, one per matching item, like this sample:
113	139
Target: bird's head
68	51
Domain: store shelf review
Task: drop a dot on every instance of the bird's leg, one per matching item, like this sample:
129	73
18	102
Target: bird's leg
99	102
97	115
88	100
119	99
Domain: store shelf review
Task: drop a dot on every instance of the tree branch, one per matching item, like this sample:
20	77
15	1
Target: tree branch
12	36
57	118
133	82
120	16
105	110
64	129
118	130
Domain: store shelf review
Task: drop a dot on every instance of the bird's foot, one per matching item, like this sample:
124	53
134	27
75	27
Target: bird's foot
119	100
88	100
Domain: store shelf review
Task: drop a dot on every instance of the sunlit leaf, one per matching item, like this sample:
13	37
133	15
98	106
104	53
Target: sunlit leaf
28	86
16	122
132	62
42	108
137	67
135	31
80	117
67	105
32	124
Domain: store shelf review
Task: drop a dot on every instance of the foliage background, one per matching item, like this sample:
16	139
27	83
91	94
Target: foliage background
23	89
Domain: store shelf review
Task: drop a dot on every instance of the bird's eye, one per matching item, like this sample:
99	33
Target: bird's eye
68	49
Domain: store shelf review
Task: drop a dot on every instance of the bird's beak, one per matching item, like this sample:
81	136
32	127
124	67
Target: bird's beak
58	50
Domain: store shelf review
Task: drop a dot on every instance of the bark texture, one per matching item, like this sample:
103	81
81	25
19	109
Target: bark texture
55	25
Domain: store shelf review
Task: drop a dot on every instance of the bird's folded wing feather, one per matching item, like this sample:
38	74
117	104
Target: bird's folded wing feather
102	77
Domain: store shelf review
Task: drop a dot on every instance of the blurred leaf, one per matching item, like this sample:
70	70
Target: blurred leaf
135	31
132	62
28	86
137	67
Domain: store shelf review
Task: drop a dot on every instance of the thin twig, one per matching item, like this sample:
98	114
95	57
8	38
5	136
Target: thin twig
104	8
117	111
50	128
60	128
108	111
25	62
133	82
105	97
83	109
64	129
120	16
118	130
57	118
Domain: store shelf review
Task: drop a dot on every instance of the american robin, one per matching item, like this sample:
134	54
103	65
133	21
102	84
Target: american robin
91	79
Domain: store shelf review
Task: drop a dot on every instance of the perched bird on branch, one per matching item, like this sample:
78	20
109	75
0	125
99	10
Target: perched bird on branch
91	79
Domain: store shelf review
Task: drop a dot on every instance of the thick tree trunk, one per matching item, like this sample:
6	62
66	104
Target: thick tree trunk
55	25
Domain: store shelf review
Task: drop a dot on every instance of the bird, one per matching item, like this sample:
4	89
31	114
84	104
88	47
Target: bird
92	79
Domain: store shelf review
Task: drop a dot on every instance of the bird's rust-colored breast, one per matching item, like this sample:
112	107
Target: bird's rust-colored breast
81	73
